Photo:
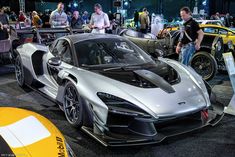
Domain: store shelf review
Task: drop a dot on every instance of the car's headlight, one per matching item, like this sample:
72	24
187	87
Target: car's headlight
199	81
195	77
69	150
120	106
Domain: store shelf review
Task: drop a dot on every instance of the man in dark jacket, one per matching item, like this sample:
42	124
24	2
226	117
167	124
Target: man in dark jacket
3	17
190	37
136	18
76	21
3	32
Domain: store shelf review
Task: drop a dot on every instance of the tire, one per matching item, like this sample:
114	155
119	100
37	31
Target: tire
19	72
204	64
72	105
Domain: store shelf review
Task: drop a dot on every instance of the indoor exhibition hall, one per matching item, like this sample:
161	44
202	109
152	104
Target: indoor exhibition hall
117	78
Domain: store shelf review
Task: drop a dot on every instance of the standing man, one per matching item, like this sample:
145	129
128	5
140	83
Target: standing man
144	21
99	20
76	22
3	32
190	38
217	16
85	17
227	20
136	18
58	18
3	18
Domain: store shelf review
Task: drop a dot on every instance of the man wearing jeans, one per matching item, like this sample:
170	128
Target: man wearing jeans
190	38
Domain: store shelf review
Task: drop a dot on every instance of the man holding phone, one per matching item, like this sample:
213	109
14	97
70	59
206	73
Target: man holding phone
58	18
99	20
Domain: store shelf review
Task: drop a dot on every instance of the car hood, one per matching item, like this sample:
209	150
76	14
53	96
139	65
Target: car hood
27	133
143	76
187	96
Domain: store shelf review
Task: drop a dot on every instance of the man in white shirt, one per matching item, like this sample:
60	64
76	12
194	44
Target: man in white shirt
58	18
99	20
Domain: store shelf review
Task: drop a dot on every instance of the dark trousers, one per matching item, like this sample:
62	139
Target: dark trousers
143	31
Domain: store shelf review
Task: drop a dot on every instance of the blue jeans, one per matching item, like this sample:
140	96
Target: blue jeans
186	53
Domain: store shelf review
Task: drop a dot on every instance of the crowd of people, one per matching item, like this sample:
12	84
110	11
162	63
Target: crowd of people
99	22
227	19
54	19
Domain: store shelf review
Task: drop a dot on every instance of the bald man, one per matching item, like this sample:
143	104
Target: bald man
77	21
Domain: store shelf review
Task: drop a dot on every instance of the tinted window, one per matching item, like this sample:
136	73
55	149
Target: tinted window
223	31
63	50
110	51
211	30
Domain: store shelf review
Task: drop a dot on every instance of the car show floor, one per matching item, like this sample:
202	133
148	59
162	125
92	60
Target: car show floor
209	141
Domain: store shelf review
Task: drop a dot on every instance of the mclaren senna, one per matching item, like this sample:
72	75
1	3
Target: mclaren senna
116	92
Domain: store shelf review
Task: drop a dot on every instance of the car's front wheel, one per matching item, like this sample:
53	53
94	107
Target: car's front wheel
19	71
72	105
204	64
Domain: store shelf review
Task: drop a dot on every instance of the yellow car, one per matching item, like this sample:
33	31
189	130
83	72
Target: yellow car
215	30
27	134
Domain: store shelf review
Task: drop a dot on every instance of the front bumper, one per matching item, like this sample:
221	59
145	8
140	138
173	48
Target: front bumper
122	135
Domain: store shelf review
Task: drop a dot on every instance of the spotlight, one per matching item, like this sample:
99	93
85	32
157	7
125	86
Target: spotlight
75	4
126	3
204	3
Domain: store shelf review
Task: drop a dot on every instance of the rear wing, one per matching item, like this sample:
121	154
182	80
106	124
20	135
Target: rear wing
41	35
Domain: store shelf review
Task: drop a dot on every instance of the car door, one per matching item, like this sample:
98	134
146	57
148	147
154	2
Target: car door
212	31
63	58
224	35
227	35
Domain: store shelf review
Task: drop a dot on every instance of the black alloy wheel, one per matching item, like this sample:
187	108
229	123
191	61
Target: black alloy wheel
204	64
72	105
19	72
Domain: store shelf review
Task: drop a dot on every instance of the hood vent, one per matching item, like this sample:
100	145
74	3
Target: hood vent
155	79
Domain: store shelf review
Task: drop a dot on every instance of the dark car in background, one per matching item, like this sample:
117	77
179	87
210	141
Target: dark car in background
204	62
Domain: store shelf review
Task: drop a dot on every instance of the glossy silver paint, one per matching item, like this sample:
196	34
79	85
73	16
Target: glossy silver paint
190	96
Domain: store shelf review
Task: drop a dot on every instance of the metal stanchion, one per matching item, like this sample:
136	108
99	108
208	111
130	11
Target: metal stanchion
230	65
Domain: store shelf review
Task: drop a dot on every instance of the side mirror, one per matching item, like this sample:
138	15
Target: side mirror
159	53
50	47
55	61
54	51
229	34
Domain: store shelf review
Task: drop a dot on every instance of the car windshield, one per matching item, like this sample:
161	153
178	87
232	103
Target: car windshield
102	52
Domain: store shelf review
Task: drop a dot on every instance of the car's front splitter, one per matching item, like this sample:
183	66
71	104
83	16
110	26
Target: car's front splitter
165	129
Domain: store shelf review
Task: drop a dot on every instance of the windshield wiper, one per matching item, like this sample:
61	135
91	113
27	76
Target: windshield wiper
122	67
115	68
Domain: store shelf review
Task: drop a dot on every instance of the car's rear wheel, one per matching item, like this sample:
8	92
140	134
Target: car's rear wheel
204	64
72	105
19	71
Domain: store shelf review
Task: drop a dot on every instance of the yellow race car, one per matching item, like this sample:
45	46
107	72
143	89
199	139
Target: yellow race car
27	134
215	30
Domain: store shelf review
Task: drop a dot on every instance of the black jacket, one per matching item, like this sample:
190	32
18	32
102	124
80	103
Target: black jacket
3	34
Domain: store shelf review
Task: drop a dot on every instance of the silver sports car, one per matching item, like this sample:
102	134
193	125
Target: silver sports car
116	92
